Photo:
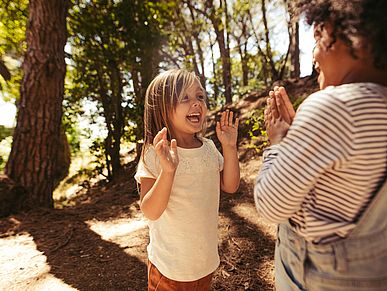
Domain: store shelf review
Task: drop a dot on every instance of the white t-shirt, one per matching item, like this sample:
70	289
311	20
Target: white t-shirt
183	240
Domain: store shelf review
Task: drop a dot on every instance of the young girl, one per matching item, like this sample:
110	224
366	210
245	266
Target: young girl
181	174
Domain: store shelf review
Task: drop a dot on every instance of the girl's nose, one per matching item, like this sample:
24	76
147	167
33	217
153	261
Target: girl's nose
196	103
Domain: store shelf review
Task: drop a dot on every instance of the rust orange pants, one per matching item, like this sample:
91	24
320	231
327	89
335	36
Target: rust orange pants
158	282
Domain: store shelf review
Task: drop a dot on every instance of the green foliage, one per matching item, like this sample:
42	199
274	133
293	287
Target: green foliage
114	38
98	152
257	132
13	15
256	125
298	102
5	132
130	134
5	149
5	145
115	54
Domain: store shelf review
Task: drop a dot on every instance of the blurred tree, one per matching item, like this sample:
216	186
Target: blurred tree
219	19
294	40
270	70
242	33
115	55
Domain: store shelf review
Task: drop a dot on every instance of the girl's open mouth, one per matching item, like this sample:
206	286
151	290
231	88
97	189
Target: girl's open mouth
194	117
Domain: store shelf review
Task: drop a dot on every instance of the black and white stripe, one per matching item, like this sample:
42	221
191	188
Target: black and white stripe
323	174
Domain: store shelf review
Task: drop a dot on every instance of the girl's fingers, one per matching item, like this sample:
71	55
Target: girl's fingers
161	135
174	146
158	137
230	118
173	143
222	118
164	133
218	127
159	146
227	119
236	124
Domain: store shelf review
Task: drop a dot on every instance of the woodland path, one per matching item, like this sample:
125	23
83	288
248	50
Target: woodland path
99	243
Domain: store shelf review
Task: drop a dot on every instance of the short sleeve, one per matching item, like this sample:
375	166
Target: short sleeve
219	155
220	160
149	167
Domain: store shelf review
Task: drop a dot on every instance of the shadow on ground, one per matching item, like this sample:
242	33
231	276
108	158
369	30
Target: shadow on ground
76	254
246	249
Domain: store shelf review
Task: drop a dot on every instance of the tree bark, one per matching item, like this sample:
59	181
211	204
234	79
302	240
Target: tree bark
215	84
33	157
198	44
294	42
260	51
269	53
223	48
118	120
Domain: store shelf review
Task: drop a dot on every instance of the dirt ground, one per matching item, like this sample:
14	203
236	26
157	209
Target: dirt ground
100	242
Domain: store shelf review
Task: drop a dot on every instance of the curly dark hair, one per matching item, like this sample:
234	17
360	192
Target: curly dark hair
365	19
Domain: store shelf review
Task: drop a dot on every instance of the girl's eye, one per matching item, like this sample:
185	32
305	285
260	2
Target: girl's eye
201	97
185	98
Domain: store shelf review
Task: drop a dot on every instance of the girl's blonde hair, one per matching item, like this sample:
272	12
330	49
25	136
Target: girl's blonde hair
162	96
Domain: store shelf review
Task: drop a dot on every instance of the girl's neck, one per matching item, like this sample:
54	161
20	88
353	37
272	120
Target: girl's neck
188	142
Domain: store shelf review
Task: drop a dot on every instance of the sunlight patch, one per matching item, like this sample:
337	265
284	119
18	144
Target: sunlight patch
23	267
249	213
109	230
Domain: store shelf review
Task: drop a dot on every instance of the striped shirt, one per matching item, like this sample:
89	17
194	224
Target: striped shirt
333	159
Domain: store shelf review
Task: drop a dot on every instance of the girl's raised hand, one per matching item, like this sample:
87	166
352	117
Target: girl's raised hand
167	154
227	129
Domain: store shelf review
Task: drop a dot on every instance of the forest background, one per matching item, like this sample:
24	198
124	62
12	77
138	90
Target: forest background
77	72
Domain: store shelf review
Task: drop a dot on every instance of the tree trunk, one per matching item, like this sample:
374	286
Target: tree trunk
269	54
260	51
294	40
215	84
118	120
245	66
195	34
224	51
201	59
36	137
243	56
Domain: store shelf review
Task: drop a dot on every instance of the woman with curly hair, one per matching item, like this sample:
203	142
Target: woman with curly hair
323	179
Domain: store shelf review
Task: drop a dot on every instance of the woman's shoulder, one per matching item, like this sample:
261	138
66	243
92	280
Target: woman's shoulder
323	99
350	92
348	96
